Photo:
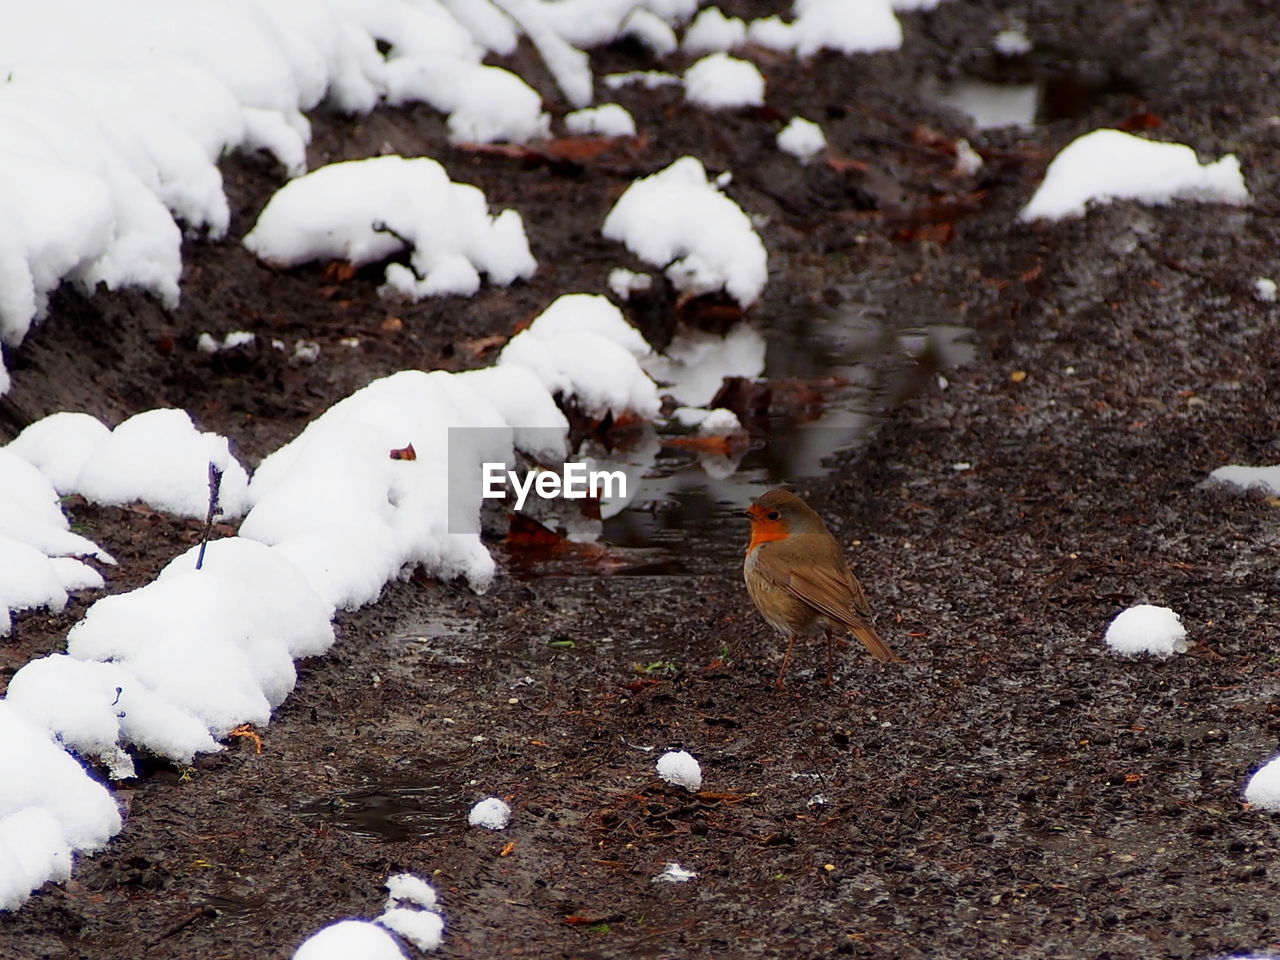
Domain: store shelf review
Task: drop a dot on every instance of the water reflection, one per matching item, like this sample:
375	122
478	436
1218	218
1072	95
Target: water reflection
394	812
990	105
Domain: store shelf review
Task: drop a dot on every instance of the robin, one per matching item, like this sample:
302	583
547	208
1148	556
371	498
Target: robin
799	580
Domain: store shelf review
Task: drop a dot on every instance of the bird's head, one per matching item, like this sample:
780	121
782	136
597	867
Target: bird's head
779	514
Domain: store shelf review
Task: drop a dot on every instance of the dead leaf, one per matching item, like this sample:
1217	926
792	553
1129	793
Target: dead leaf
528	532
404	453
722	445
338	271
482	345
246	731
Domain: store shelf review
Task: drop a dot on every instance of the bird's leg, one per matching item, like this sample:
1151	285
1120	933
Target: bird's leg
786	662
831	644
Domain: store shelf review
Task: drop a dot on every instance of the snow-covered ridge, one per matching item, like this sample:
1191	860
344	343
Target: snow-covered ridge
333	515
113	114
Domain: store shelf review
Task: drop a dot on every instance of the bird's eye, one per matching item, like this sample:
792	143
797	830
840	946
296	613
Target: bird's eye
774	515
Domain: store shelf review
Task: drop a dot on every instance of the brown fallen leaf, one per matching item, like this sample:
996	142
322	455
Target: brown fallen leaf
338	271
724	445
404	453
246	731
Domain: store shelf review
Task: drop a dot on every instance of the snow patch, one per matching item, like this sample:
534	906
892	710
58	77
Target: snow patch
1108	165
1146	628
678	219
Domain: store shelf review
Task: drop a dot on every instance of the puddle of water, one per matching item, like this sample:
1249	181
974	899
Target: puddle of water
393	812
990	105
833	370
681	503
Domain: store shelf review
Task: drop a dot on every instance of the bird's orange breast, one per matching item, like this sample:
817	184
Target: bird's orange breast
763	531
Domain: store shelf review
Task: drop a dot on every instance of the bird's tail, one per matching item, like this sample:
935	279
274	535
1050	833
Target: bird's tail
875	643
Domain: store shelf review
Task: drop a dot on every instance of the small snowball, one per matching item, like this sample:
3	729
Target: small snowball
1263	789
674	873
802	138
422	928
679	768
720	81
606	120
1264	290
711	30
968	160
405	888
1146	628
720	421
491	813
1011	43
623	282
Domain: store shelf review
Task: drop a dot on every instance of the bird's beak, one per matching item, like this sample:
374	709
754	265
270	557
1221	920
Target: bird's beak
745	514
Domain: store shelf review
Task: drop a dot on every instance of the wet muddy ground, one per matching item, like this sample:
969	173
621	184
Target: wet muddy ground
1012	790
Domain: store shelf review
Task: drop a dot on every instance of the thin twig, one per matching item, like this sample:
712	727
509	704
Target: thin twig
215	485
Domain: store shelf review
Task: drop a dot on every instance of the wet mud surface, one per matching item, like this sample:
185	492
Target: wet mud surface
1013	789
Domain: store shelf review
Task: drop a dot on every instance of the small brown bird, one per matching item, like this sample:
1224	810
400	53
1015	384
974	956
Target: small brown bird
799	580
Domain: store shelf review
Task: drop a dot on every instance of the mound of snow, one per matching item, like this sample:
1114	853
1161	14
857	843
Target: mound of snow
364	211
1110	165
1146	628
802	138
159	457
679	220
681	769
490	813
582	347
1263	788
606	120
1262	478
49	808
720	81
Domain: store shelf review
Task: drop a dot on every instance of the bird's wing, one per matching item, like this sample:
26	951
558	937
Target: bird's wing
838	597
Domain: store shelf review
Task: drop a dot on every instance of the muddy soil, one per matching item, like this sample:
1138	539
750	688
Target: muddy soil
1012	790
